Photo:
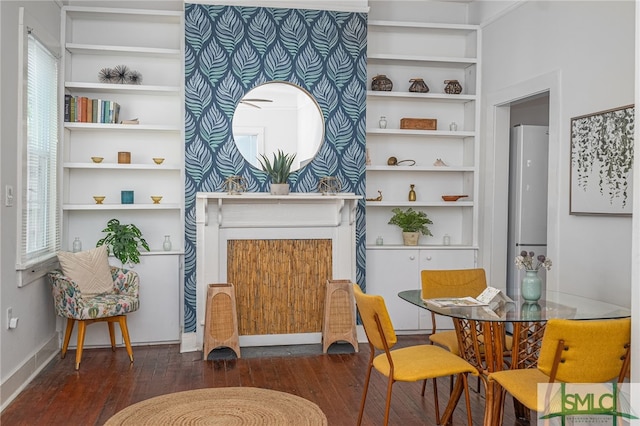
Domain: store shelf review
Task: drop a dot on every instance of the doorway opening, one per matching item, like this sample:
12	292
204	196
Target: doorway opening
528	184
534	101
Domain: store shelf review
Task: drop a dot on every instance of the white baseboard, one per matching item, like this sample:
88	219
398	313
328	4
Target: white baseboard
24	374
189	341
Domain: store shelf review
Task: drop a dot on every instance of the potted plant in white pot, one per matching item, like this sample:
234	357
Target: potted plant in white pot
278	170
412	223
124	242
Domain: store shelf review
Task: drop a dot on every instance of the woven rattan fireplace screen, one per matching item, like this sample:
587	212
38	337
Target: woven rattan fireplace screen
280	284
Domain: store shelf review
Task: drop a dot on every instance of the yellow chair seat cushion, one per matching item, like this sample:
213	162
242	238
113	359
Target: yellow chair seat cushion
522	384
422	362
449	340
446	339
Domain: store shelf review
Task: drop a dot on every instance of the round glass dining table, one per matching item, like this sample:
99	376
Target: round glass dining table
481	331
555	304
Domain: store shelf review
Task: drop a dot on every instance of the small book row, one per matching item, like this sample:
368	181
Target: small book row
80	109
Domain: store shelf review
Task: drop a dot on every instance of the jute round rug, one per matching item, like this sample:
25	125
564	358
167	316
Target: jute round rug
222	406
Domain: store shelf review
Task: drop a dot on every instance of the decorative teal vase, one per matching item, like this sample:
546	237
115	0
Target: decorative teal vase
531	287
530	311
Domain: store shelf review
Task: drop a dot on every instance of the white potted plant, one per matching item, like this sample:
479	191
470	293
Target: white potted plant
412	223
278	170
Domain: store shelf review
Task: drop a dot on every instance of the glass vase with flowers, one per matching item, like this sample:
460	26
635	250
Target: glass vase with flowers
531	285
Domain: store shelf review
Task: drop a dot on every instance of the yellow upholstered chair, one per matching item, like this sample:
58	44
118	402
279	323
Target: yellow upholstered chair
453	283
409	364
572	351
450	283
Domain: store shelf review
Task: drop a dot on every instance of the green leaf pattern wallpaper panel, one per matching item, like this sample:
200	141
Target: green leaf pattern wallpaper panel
228	51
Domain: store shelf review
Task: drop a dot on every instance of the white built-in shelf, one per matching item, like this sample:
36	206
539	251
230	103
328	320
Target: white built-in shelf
419	203
150	42
433	61
99	166
97	49
159	253
138	206
436	52
442	97
420	247
435	169
79	87
124	15
132	127
408	132
465	28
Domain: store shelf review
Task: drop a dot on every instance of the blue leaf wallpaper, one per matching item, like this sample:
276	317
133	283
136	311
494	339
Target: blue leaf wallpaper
228	51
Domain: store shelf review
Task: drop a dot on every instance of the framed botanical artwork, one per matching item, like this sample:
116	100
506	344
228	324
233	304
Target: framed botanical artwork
602	162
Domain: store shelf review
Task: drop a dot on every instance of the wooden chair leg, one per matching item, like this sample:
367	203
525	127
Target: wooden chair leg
435	397
125	335
435	400
67	336
387	407
112	336
82	327
364	395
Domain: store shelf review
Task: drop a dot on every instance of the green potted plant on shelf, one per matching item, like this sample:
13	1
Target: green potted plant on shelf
412	223
123	241
278	170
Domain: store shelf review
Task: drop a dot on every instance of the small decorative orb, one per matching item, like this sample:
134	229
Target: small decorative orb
235	185
97	159
134	77
158	160
329	185
156	199
99	198
121	74
107	75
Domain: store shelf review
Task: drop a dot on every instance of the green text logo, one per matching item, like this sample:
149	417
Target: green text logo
584	403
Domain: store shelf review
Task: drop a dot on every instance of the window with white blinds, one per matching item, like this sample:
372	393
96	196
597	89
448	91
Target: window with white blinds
39	236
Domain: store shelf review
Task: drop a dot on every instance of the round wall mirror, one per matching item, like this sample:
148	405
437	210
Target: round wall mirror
278	116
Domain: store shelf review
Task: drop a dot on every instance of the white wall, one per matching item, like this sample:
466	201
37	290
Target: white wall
588	48
24	349
449	12
635	235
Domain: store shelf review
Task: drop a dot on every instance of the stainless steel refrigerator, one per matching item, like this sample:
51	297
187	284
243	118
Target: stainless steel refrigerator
528	174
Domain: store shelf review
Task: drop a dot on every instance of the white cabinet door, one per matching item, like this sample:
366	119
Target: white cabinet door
158	319
447	259
389	272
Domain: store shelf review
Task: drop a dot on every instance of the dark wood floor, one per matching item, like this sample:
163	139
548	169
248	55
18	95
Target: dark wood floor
107	383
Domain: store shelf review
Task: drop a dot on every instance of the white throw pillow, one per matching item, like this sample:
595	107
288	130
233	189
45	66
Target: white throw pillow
89	269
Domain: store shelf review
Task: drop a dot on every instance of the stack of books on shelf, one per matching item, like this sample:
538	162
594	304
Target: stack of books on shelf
80	109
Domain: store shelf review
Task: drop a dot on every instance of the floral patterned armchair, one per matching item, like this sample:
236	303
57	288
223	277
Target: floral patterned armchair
110	307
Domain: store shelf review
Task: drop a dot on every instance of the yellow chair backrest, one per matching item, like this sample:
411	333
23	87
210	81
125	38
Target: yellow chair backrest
369	306
453	282
593	350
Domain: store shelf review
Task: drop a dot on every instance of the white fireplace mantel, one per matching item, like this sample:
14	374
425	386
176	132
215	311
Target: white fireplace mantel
293	210
221	217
